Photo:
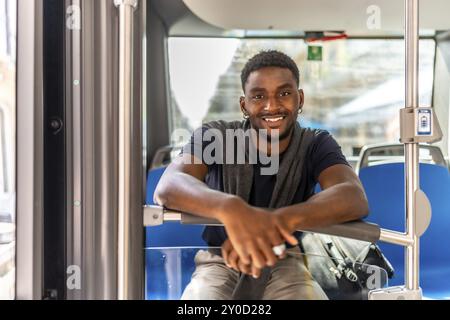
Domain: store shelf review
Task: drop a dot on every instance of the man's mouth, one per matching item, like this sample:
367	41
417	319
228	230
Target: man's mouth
274	121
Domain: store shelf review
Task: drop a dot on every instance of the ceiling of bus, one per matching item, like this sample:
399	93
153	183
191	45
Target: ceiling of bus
351	16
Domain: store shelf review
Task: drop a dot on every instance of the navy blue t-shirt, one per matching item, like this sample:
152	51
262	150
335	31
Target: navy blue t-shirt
323	153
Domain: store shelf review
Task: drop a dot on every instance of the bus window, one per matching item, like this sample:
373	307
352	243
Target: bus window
355	91
7	147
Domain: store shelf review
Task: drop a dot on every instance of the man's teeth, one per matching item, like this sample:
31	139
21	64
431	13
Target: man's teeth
274	119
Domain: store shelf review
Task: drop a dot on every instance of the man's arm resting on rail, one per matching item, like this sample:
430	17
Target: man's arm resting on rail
252	231
343	199
182	188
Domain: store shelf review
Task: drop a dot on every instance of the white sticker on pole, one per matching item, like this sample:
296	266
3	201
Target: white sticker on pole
424	125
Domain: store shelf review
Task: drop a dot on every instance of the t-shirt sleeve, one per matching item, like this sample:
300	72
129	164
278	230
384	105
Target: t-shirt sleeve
325	153
196	144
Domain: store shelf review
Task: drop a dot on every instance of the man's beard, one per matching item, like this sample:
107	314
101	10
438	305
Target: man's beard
286	134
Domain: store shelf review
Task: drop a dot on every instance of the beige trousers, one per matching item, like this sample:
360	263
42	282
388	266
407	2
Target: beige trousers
289	279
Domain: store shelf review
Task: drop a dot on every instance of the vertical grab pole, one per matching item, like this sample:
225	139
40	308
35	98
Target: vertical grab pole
126	12
411	149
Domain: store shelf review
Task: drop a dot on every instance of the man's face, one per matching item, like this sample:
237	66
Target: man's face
272	101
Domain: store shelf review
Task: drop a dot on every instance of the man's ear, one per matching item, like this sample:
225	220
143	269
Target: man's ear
242	104
302	98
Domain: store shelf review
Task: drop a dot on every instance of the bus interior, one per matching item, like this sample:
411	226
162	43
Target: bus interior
94	95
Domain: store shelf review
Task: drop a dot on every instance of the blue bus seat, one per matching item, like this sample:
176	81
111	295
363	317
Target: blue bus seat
168	243
384	186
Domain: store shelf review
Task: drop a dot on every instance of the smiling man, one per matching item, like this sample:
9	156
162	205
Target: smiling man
261	212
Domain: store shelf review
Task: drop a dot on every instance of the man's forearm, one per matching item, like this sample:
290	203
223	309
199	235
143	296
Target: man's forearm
341	203
180	191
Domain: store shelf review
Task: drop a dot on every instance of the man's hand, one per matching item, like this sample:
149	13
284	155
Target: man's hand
253	233
232	260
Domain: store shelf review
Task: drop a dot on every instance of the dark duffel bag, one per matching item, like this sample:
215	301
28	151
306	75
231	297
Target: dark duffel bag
346	269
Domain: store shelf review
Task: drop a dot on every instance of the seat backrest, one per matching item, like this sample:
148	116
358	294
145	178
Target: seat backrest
385	188
170	234
389	153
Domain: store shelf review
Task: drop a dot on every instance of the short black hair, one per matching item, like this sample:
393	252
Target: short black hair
270	58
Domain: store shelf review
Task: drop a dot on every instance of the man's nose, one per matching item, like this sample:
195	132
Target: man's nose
272	104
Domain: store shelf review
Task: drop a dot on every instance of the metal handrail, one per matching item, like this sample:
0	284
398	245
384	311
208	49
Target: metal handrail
358	230
126	14
412	149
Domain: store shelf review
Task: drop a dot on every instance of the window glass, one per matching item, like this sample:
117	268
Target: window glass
355	90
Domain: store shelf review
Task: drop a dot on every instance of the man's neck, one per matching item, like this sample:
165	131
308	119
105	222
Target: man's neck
271	147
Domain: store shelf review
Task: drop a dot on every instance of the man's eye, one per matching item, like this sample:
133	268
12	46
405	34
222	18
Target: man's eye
258	96
285	94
